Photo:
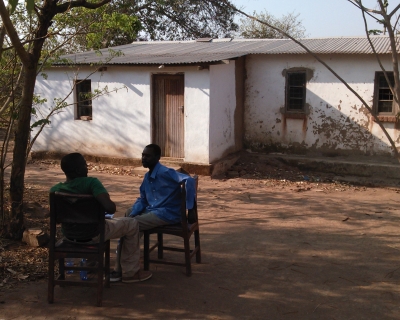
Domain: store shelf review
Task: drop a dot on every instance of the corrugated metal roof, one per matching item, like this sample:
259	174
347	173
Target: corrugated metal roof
190	52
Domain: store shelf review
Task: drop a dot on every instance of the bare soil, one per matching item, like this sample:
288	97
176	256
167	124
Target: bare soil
277	243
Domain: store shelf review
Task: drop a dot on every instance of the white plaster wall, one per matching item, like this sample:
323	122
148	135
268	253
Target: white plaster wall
121	120
222	110
337	119
121	124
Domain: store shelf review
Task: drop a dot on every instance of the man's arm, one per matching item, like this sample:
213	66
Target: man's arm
108	205
138	207
140	204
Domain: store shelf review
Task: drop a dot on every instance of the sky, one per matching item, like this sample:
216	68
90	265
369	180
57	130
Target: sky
321	18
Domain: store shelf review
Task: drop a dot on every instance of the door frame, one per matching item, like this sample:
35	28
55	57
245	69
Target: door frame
152	110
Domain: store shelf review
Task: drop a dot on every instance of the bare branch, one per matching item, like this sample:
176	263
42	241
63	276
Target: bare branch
331	70
358	4
394	11
2	35
61	8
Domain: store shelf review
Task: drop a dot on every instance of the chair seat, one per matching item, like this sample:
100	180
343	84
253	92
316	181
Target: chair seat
168	227
65	246
175	229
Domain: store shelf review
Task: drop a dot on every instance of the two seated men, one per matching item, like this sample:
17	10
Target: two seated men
158	204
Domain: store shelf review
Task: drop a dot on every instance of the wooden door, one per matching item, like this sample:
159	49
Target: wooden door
168	114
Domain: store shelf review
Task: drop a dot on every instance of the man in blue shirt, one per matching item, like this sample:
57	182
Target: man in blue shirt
160	193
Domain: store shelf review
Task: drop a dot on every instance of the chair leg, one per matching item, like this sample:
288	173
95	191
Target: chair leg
107	264
100	289
61	269
187	257
160	245
146	246
50	289
197	245
100	272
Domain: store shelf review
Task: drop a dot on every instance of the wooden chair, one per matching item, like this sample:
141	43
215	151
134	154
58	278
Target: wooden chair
81	209
188	226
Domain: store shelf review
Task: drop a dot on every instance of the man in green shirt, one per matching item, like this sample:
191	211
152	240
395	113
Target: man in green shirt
75	169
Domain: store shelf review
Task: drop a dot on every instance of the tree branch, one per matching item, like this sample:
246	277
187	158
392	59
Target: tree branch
2	35
13	35
330	69
61	8
357	3
394	11
388	81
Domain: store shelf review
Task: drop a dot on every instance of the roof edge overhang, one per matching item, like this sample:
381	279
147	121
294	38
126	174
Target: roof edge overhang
187	64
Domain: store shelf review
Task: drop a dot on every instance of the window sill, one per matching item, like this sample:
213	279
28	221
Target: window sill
293	115
85	118
385	118
300	114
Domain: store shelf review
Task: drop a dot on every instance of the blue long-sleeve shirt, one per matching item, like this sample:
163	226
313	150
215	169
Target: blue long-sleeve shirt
160	193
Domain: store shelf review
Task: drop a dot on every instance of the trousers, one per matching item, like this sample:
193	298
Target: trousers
128	259
144	222
147	220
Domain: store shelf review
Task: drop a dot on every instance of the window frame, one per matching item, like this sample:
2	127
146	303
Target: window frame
288	92
378	75
82	86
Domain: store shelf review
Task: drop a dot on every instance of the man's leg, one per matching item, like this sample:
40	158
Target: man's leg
128	230
148	221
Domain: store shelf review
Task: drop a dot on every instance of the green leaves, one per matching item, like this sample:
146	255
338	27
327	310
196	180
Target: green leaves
29	4
114	24
40	123
375	32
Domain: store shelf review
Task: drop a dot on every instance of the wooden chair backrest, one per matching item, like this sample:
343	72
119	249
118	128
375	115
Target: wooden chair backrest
75	208
189	216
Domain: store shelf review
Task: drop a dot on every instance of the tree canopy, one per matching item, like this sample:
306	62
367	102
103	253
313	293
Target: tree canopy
41	29
124	21
289	23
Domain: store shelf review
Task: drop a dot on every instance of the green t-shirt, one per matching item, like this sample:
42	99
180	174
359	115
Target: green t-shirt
84	185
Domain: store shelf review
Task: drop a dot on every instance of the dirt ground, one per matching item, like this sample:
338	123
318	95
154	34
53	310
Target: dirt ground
276	243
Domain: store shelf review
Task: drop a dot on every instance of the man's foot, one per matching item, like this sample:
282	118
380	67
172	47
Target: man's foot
141	275
115	276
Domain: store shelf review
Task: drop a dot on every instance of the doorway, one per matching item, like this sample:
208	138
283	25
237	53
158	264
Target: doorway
168	114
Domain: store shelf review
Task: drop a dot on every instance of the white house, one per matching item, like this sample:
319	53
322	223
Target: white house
204	100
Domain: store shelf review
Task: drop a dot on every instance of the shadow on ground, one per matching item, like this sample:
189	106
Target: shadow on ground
269	251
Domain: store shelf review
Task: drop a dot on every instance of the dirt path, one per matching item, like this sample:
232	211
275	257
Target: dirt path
271	249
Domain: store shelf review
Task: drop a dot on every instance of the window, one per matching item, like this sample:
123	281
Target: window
295	91
383	96
83	98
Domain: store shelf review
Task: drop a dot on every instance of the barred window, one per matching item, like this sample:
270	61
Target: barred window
83	99
383	96
295	91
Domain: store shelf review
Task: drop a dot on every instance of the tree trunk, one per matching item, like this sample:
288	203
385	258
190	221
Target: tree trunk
30	59
15	226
